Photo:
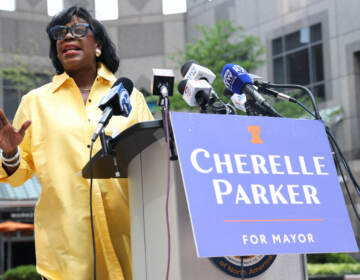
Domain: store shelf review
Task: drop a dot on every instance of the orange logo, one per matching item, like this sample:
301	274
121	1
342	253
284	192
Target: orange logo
255	137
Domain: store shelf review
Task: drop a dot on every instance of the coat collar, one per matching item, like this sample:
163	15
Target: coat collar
102	73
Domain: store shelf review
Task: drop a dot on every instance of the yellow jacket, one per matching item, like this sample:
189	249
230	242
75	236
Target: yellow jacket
56	147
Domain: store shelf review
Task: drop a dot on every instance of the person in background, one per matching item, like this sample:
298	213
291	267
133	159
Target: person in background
51	136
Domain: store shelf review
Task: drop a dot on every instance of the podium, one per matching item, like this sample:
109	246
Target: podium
141	155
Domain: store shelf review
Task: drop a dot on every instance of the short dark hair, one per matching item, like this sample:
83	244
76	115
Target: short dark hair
108	50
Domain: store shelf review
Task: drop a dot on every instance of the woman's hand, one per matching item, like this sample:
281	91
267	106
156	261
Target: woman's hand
10	137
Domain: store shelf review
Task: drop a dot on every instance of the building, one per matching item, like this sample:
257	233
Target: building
312	42
17	205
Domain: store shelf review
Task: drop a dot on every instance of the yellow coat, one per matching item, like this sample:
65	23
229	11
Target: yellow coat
56	147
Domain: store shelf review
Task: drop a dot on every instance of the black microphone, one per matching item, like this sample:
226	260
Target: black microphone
186	66
222	108
115	102
263	88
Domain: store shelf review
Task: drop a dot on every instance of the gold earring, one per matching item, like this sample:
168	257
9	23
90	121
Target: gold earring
97	52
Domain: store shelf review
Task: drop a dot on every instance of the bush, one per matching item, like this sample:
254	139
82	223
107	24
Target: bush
330	258
330	269
23	272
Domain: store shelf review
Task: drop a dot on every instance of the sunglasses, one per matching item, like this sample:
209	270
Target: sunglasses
58	32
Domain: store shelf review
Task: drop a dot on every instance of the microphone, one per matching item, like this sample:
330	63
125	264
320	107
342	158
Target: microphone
238	100
195	92
237	80
263	88
115	102
222	108
191	70
162	82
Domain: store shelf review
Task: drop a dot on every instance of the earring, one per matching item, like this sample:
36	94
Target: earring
97	52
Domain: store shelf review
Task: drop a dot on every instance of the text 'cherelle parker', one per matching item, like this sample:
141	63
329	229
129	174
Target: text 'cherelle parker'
206	163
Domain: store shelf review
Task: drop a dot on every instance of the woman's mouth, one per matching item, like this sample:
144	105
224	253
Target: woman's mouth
70	49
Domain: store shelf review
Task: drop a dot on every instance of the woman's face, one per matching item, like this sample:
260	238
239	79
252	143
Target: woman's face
77	54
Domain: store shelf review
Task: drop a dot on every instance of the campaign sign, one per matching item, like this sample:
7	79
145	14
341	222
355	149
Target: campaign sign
260	185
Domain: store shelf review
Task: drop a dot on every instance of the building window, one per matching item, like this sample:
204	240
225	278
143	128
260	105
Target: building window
298	59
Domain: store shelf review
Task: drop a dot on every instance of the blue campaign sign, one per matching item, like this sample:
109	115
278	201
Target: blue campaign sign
260	185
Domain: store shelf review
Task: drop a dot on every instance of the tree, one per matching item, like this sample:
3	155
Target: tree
222	44
23	77
20	78
219	45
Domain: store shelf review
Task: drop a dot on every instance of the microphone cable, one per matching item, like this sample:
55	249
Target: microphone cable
167	139
338	166
305	89
336	151
91	209
343	160
263	88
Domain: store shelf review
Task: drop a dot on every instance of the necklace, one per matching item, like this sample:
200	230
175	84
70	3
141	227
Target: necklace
85	89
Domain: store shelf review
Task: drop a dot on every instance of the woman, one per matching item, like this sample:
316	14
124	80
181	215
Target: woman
53	128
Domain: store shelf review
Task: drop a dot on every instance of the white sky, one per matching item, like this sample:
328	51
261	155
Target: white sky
173	6
8	5
104	9
54	6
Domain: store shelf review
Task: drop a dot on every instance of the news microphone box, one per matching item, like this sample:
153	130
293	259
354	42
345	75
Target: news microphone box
162	78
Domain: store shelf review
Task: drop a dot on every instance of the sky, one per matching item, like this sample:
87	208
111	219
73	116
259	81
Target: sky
104	9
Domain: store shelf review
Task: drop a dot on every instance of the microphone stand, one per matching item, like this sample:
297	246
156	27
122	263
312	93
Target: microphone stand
249	107
108	150
203	109
164	102
105	139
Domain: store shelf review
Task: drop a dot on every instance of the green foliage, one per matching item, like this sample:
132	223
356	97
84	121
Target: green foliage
23	272
330	258
24	78
292	110
329	269
218	45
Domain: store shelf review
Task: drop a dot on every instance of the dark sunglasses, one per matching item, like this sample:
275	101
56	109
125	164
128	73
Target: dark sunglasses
79	30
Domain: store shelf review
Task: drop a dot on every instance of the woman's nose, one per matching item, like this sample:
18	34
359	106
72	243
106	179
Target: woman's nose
68	35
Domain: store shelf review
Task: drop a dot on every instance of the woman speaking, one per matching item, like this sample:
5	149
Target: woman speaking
51	136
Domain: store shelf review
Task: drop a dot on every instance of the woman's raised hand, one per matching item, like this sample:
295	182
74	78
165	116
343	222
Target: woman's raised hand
10	137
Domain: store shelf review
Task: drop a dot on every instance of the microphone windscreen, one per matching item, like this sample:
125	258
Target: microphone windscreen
182	85
186	66
127	83
235	77
227	93
218	108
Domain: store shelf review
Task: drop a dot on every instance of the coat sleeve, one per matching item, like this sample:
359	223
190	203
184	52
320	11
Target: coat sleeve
143	111
26	169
